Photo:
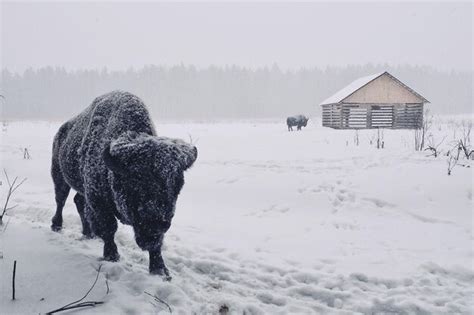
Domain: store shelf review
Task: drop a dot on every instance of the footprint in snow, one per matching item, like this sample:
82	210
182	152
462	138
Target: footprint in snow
379	203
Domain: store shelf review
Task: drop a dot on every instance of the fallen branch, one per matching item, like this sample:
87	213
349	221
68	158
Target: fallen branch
78	303
157	299
107	285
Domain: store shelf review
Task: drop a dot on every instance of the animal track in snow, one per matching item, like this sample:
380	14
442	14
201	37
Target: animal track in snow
227	180
206	276
345	226
338	194
269	211
379	203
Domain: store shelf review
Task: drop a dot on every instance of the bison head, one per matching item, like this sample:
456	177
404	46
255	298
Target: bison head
305	121
147	177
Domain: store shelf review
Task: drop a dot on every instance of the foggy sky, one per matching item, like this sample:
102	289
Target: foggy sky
123	35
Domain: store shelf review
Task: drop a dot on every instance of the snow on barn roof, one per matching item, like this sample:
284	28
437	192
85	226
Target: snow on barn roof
351	88
342	94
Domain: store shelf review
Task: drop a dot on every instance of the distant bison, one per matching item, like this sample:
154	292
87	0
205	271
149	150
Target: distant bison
111	156
299	121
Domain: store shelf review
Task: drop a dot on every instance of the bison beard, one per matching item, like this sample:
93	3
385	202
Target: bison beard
110	155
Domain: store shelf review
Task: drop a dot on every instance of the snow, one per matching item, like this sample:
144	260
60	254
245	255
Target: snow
268	221
349	89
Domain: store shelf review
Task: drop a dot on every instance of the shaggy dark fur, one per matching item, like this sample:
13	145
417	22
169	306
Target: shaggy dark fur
110	155
299	121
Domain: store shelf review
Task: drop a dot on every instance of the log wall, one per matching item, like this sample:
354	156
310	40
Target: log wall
368	116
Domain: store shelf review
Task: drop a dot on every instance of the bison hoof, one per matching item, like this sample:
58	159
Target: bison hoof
88	235
110	252
112	257
57	224
162	272
56	228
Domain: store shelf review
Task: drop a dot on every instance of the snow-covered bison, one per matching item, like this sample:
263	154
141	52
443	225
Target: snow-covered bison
110	155
298	121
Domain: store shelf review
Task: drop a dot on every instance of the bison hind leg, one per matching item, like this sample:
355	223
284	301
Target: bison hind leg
61	190
80	205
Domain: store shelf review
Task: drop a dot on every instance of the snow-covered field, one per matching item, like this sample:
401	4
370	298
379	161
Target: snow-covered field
268	222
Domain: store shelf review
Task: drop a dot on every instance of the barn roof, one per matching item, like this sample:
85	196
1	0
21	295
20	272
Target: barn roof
356	85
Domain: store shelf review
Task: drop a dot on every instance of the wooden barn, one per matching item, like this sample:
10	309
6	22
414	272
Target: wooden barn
376	101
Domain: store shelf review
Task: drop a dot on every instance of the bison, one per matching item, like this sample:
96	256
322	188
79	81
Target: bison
299	121
111	156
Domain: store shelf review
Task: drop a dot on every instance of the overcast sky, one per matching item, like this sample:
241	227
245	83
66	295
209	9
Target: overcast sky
121	35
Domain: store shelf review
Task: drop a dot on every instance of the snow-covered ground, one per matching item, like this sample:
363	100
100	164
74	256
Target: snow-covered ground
268	221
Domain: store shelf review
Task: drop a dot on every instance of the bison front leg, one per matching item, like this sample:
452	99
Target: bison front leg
104	225
110	248
157	265
107	233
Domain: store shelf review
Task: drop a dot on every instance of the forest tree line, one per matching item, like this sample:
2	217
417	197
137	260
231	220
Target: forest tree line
187	92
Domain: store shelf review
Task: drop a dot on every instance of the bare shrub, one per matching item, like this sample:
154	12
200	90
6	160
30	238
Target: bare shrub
466	128
454	155
371	138
12	187
26	154
466	149
356	137
422	133
452	162
433	146
380	141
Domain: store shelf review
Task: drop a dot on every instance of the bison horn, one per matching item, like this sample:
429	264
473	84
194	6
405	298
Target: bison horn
187	160
192	141
111	162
